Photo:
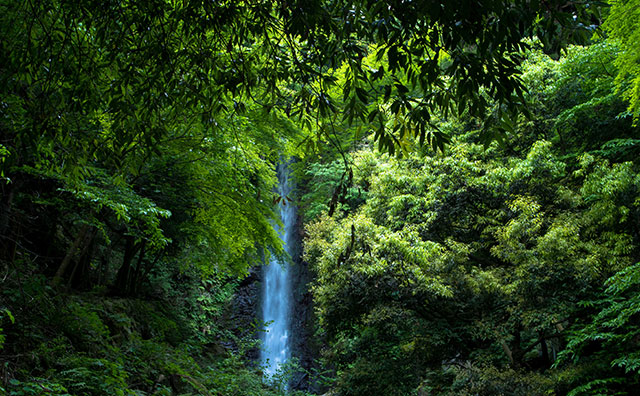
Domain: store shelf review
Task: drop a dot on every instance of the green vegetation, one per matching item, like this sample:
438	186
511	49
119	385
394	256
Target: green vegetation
90	344
508	269
623	29
469	183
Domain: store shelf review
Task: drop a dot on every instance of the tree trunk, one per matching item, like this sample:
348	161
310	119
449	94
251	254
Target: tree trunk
518	353
5	209
7	244
135	279
57	278
84	258
545	352
147	268
507	351
124	273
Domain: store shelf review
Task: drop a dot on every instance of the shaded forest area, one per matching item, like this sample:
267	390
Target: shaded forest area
468	180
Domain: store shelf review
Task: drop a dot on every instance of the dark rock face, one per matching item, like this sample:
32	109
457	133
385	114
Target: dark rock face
245	309
305	346
302	326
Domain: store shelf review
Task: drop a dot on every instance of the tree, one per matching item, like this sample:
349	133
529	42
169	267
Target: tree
100	98
623	27
463	272
607	344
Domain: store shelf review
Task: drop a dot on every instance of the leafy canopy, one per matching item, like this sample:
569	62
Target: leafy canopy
623	26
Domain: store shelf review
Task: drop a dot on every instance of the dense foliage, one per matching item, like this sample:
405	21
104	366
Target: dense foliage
501	270
623	28
469	182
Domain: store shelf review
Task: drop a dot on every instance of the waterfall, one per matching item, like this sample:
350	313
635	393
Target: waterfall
276	290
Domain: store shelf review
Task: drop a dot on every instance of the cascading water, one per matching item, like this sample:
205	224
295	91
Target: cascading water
276	297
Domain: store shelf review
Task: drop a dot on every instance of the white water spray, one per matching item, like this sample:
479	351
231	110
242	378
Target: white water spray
276	297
